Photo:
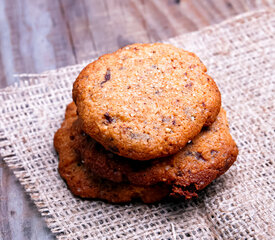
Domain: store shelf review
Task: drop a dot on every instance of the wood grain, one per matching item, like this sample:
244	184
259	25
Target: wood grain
38	35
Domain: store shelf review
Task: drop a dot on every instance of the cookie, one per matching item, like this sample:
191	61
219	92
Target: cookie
85	184
204	159
146	101
208	156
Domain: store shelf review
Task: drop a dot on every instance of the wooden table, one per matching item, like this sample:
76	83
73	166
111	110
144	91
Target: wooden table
38	35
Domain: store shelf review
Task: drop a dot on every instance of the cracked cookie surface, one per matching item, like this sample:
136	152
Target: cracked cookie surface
146	101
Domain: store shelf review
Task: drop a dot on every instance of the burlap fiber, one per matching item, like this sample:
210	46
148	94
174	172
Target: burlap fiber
240	55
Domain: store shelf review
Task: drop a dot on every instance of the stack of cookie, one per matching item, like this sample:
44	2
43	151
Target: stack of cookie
147	123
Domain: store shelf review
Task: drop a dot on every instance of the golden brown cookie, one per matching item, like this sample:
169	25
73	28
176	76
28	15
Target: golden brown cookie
208	156
82	182
146	100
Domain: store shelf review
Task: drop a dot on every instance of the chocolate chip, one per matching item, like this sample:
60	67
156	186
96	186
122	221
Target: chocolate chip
189	85
174	122
72	138
157	92
198	156
108	117
107	77
203	104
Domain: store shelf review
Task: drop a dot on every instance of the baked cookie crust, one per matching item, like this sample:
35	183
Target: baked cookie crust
146	101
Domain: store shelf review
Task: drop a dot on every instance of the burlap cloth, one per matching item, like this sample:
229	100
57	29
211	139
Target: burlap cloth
240	55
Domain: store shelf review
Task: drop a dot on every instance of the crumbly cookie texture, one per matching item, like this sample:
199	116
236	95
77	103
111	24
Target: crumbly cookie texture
208	156
146	100
85	184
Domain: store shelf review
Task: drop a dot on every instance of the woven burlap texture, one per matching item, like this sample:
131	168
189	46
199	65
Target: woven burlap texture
240	55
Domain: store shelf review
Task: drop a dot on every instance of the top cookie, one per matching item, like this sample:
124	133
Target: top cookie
146	101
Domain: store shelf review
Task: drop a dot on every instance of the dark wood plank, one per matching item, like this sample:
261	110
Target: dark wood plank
77	23
19	218
39	35
5	229
34	37
2	73
129	27
7	60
